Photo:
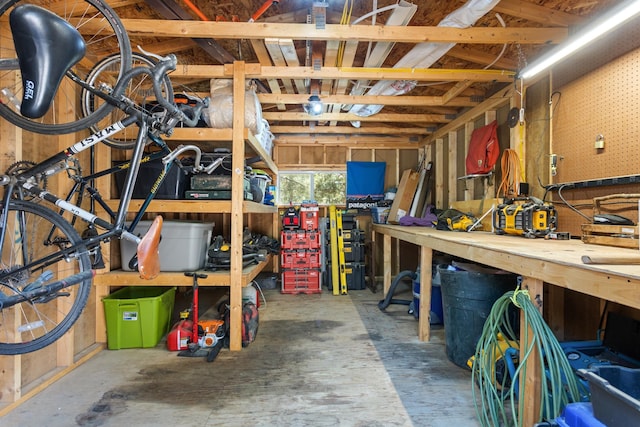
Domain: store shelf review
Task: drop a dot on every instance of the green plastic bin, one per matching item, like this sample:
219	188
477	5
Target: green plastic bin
138	316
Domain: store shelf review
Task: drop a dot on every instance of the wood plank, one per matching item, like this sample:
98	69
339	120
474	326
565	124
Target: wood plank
530	385
553	261
623	236
291	59
398	34
426	257
281	131
273	47
497	100
340	98
348	117
537	13
456	90
263	57
452	177
418	74
237	216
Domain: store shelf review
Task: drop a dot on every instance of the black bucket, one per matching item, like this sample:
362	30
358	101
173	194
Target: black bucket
467	299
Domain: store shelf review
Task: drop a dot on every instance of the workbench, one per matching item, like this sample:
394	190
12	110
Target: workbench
537	261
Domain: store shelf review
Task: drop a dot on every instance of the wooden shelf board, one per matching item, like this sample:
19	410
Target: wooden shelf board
190	206
214	278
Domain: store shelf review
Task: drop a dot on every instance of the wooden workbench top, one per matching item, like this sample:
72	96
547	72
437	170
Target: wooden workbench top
558	262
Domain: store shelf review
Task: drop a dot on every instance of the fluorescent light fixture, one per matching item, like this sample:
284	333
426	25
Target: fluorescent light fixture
314	107
617	16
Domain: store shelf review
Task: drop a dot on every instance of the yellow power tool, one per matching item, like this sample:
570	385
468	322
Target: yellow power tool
524	216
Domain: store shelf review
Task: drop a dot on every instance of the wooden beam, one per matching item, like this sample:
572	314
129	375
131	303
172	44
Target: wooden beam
263	57
456	90
500	98
536	13
348	117
347	130
273	47
482	58
412	34
415	101
419	74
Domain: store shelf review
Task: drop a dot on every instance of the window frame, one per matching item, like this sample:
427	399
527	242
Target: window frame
312	174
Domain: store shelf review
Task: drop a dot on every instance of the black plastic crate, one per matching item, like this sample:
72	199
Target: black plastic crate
355	277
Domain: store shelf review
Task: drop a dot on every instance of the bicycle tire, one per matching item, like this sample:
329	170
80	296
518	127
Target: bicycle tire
138	90
65	115
38	323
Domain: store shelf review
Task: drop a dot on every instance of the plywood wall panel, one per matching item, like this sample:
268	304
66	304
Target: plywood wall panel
391	171
288	155
336	155
313	155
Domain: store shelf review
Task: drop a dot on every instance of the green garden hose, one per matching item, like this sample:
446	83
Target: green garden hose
500	401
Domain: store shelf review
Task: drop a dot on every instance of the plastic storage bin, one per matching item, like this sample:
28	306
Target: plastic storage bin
138	316
183	246
615	391
578	414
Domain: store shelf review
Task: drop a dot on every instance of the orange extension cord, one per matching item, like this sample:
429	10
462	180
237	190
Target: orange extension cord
510	184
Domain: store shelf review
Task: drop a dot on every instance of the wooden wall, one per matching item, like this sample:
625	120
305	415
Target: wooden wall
302	154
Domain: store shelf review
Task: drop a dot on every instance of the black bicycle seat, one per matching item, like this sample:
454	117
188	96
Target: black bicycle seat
47	46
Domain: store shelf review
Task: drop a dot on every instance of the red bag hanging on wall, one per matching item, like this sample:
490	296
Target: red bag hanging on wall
484	149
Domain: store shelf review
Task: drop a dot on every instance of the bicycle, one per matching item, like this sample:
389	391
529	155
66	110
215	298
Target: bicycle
46	271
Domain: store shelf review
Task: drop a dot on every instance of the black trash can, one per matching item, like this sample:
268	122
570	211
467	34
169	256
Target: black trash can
467	299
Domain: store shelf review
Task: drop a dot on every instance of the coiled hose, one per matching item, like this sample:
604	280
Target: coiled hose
499	402
383	304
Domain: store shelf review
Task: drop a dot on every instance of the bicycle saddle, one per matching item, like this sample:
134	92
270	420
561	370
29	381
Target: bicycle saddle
47	46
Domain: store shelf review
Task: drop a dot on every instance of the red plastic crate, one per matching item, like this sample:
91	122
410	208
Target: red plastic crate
300	259
300	239
301	281
309	219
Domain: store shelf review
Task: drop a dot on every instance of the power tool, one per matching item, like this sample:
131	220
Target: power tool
524	216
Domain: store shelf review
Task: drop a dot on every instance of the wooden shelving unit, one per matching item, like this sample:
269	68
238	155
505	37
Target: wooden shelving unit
243	144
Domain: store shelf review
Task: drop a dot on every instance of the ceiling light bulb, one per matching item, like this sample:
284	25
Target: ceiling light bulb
314	107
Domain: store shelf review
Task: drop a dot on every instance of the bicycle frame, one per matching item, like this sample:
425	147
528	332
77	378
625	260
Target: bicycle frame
52	165
82	183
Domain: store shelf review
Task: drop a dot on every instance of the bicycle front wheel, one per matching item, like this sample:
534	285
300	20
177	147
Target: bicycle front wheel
103	35
36	253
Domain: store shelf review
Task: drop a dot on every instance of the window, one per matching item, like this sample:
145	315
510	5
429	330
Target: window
326	188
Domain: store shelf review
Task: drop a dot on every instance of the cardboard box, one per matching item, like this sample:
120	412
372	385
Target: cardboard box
404	196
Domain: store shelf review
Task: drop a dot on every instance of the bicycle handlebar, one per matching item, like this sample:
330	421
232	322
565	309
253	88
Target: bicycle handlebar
186	114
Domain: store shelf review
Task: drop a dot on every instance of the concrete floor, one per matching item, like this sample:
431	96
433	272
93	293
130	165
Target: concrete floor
318	360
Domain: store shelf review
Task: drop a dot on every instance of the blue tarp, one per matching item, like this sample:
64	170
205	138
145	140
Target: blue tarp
365	179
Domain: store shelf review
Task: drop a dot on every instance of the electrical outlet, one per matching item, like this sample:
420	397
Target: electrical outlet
553	163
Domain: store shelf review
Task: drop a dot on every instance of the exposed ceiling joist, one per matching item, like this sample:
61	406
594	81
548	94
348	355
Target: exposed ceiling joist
413	34
418	74
416	101
349	130
348	117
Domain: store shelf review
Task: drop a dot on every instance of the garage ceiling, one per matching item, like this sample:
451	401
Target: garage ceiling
296	48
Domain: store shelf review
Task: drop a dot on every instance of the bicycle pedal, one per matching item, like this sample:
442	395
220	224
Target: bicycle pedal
98	260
